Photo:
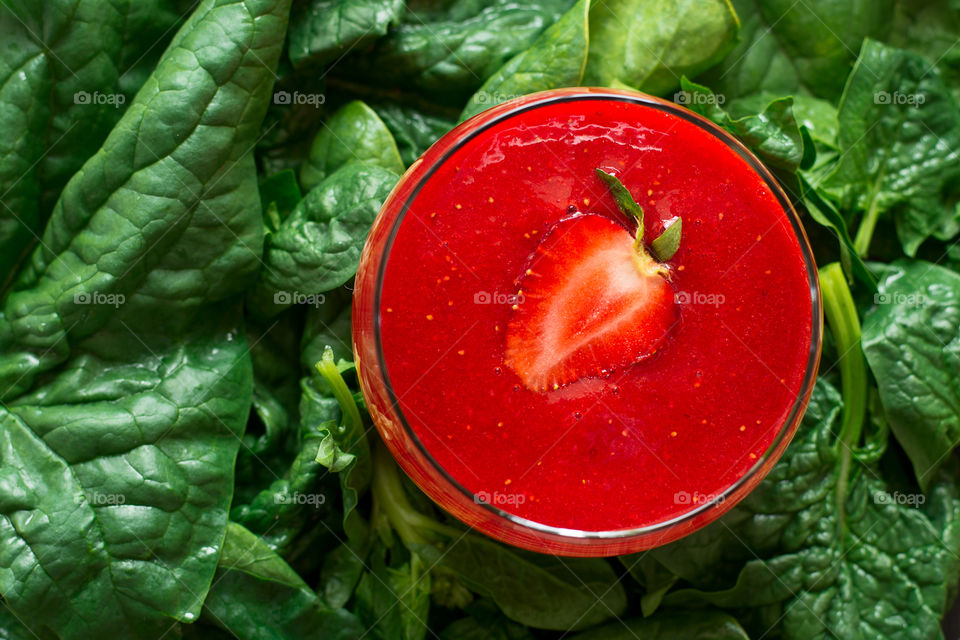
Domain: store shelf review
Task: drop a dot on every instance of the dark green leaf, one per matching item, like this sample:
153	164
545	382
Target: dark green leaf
695	625
650	45
771	133
930	28
900	146
414	131
355	133
14	628
280	511
394	600
556	59
548	592
326	327
172	409
65	80
790	47
323	31
121	432
825	213
450	48
342	569
147	27
653	576
824	542
270	442
912	342
318	246
485	622
257	596
281	191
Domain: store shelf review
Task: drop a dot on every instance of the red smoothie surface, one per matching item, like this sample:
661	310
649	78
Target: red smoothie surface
651	440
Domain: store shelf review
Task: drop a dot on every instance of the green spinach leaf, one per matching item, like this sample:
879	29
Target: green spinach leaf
269	442
317	248
485	622
772	133
824	212
119	434
556	59
930	28
900	147
547	592
355	133
325	329
448	51
797	47
651	45
393	599
826	545
257	596
912	342
413	130
656	579
323	31
280	511
279	194
700	625
14	628
344	448
342	569
68	71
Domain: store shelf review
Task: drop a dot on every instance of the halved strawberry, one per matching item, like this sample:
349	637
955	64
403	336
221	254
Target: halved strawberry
591	302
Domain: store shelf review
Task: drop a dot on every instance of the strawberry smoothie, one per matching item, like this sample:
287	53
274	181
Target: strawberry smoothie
587	322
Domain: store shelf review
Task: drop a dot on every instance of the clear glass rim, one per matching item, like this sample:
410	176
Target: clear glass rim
787	428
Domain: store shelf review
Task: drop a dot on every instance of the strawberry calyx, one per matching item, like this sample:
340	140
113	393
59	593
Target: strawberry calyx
665	246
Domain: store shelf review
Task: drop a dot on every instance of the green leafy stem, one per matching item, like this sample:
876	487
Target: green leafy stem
861	242
330	454
329	370
389	496
844	322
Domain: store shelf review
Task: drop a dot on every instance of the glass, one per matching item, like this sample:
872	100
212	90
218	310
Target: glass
407	447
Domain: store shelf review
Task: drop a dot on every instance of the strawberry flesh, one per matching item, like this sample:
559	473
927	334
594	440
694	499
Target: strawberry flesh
590	304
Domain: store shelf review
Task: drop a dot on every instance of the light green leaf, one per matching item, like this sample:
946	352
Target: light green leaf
344	447
650	44
355	133
772	132
666	244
